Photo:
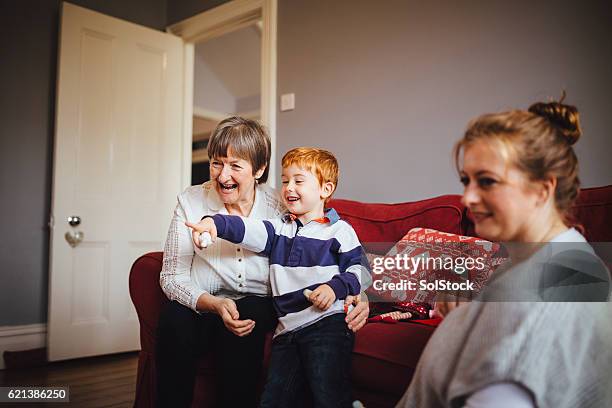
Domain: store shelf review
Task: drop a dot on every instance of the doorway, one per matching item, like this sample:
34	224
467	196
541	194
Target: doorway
232	20
227	82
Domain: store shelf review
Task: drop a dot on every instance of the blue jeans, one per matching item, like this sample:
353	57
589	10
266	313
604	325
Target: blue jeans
316	358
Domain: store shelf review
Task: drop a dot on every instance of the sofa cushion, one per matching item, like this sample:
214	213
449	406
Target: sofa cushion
380	226
450	250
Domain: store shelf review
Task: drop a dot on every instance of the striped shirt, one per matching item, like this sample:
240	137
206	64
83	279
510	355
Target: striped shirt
324	251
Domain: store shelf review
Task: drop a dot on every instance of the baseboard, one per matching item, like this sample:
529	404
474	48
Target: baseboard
19	338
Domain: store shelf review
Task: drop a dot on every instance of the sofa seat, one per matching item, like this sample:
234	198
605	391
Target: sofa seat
385	358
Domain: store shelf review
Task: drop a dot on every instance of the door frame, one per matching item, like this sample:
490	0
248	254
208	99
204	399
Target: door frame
213	23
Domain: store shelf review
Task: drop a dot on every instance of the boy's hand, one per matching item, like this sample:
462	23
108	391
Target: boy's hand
322	297
206	225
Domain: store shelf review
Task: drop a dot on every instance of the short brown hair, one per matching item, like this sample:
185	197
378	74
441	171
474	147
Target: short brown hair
321	163
248	140
538	141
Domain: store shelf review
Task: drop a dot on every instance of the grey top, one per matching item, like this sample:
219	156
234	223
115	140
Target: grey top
561	352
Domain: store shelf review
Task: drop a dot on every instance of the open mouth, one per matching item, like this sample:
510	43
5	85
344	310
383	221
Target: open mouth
228	186
292	199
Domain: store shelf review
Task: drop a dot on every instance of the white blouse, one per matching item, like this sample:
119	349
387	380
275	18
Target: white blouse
222	269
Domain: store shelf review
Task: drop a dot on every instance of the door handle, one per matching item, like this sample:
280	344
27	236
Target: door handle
74	238
74	220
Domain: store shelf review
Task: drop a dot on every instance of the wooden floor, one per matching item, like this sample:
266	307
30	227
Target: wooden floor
108	381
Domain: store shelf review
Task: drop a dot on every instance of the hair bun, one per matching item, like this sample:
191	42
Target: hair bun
564	117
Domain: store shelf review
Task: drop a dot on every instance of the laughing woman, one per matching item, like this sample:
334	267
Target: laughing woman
551	345
220	297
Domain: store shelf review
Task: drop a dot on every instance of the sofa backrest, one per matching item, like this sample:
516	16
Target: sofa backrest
379	226
593	213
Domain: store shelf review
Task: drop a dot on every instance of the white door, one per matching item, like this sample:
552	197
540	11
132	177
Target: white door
117	166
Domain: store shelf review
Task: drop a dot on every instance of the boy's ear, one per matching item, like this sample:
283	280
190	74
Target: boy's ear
327	189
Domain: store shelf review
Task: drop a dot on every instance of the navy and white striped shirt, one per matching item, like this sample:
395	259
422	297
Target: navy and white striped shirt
301	257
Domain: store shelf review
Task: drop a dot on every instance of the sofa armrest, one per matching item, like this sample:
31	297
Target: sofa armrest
147	296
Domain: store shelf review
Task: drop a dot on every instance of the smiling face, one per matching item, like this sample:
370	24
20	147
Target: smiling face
504	203
302	193
234	179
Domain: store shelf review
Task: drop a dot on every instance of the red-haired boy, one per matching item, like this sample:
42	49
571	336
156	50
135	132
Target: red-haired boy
310	249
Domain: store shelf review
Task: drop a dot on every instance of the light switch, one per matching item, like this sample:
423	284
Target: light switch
287	102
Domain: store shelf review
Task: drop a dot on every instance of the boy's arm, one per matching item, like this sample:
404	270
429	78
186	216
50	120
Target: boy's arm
254	235
352	264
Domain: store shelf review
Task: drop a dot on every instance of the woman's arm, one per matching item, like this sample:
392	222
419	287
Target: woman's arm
175	278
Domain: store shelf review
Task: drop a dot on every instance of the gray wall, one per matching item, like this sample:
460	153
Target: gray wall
389	86
28	56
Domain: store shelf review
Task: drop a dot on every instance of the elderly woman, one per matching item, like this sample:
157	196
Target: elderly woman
221	301
539	334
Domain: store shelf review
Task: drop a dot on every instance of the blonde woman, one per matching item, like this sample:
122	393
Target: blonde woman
552	345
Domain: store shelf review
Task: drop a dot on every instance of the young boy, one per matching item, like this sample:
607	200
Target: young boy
309	248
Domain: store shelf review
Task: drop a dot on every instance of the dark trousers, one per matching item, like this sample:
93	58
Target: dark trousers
183	336
315	359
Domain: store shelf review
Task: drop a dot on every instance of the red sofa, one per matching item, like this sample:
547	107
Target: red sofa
385	355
